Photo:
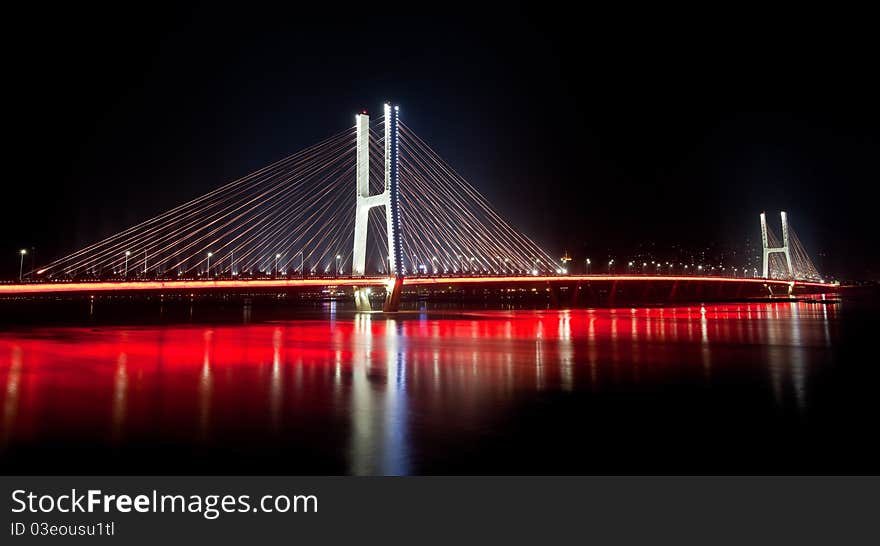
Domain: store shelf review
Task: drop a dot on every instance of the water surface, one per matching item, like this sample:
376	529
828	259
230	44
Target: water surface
734	388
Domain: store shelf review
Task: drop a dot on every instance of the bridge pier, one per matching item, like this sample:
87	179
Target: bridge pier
554	295
392	296
362	298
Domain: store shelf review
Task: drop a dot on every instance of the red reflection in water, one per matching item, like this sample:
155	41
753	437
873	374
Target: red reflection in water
370	390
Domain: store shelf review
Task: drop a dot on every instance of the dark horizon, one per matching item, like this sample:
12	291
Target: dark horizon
592	135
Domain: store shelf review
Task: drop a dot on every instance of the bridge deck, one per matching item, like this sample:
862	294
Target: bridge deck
238	284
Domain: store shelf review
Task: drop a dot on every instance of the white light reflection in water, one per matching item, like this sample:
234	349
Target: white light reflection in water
120	388
593	352
378	443
206	385
13	382
276	386
705	350
395	458
566	350
775	357
634	336
363	438
539	355
615	352
796	360
825	323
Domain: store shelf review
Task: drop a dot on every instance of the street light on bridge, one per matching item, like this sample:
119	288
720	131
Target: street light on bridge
611	266
588	266
338	267
127	254
22	252
277	257
209	263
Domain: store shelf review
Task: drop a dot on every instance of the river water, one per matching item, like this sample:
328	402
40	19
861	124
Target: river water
730	388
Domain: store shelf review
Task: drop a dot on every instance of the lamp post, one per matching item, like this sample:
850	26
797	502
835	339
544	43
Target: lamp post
127	254
21	264
277	257
610	266
209	262
338	269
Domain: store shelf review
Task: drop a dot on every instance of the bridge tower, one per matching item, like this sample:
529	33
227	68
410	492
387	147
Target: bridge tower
389	199
784	249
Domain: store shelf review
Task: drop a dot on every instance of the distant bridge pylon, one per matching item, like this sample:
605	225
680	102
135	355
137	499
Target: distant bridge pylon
785	259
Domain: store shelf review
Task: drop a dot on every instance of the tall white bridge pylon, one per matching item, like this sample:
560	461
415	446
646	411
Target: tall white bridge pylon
768	249
389	198
785	259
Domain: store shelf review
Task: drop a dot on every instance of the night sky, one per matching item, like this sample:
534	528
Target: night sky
591	132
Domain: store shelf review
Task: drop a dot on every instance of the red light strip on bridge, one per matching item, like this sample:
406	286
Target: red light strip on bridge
550	278
52	288
108	286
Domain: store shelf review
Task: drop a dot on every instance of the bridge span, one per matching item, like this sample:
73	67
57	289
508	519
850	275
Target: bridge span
573	289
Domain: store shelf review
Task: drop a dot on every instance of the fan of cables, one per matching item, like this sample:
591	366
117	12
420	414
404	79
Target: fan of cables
296	217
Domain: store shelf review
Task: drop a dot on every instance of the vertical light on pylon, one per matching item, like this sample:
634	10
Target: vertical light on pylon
363	202
392	186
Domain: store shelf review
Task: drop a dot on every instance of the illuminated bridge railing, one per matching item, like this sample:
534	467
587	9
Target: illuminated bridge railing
285	283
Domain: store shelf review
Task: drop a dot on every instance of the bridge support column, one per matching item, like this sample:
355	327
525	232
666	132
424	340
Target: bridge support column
392	295
554	295
362	299
612	295
389	199
768	250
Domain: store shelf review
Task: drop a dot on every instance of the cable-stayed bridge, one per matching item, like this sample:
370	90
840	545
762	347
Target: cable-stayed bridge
370	206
